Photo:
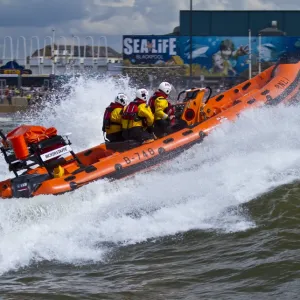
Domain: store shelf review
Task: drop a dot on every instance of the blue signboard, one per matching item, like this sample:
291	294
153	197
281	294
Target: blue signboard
149	49
214	56
293	46
229	55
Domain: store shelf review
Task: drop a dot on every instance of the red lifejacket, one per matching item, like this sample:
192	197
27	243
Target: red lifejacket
131	111
107	114
169	110
151	101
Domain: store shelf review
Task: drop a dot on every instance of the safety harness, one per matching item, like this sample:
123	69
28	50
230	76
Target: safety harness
107	115
131	111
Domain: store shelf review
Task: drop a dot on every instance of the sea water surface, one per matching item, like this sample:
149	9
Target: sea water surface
220	221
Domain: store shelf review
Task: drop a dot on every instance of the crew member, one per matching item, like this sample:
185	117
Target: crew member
164	114
137	119
112	120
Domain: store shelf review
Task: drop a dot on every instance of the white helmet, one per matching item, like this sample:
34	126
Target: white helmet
165	87
121	99
142	94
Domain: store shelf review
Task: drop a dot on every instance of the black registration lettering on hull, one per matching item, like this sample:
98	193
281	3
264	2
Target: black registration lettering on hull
137	155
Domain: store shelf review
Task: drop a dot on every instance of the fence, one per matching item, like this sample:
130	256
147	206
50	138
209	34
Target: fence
34	52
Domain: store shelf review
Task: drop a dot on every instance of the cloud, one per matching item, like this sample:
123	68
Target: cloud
40	13
261	5
112	18
114	3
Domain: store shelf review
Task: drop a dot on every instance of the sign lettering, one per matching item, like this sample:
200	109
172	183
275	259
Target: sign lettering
22	187
149	46
57	152
282	83
13	71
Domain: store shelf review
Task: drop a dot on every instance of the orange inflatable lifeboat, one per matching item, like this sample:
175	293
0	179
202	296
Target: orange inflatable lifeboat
43	162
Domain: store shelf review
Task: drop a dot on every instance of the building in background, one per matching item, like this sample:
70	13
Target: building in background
65	53
73	58
237	22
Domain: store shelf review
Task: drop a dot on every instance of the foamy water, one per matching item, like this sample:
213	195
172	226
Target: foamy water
196	190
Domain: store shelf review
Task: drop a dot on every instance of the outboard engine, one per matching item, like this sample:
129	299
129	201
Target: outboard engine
24	185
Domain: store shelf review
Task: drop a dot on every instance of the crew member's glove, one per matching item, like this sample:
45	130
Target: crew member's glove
170	118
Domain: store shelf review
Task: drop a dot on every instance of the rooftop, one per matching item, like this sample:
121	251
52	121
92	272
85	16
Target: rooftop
79	51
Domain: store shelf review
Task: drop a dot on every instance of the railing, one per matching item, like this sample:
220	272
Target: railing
62	51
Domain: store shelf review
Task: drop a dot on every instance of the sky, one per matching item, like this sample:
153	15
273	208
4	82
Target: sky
109	18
